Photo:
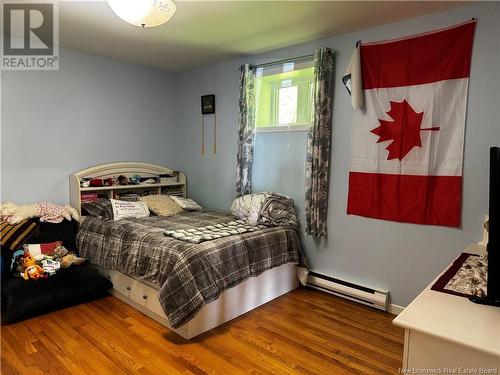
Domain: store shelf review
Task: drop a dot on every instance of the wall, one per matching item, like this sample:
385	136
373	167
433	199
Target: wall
91	111
402	258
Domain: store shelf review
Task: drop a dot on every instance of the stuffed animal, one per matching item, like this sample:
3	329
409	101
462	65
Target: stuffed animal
50	266
122	180
65	258
16	266
70	259
59	252
31	269
49	212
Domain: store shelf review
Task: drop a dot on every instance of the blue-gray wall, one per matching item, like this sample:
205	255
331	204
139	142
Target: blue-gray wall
93	110
402	258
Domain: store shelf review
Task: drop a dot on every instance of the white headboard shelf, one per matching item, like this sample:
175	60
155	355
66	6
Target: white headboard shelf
127	169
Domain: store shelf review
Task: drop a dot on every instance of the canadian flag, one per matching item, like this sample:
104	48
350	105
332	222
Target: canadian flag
410	99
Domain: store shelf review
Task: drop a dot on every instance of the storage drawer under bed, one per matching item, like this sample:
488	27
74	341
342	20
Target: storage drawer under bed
137	291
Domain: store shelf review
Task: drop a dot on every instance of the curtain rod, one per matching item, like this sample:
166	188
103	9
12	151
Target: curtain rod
283	61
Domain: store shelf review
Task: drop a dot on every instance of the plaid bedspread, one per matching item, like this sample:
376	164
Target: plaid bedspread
188	275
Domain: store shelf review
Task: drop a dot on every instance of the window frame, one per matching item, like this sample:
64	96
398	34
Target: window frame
283	128
279	128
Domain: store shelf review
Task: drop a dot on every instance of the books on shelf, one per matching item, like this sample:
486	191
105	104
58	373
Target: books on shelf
89	197
173	190
127	196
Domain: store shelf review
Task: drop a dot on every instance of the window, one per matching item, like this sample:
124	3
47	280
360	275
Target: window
287	106
284	96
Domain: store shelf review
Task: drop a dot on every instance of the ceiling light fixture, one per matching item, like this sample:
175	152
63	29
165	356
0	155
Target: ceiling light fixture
144	13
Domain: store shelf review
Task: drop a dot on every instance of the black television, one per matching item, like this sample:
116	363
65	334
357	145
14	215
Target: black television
493	287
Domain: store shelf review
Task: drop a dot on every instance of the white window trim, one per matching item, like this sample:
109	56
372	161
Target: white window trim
283	128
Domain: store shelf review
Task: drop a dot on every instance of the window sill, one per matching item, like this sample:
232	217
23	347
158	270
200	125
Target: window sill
283	129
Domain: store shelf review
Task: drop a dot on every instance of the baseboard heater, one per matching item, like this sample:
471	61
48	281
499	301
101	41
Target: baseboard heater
357	293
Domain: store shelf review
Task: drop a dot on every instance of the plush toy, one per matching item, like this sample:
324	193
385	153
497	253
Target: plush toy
122	180
31	269
70	259
85	182
49	212
59	252
16	267
50	266
135	180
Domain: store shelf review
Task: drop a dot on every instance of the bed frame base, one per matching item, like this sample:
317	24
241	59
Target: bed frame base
232	303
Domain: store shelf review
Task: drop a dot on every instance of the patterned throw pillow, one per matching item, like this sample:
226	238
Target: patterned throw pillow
162	205
187	204
99	208
13	237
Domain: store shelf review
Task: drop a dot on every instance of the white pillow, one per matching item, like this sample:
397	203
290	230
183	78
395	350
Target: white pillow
124	209
248	206
185	203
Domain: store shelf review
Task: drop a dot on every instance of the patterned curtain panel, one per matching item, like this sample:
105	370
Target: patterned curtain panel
246	121
318	145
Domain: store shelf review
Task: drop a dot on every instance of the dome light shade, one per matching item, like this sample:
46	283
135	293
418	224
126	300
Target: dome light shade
144	13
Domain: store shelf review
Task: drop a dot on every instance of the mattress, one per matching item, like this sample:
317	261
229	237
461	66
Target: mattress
187	275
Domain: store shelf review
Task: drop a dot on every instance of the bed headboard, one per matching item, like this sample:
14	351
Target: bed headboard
127	169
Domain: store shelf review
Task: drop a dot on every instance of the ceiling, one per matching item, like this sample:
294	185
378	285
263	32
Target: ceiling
206	32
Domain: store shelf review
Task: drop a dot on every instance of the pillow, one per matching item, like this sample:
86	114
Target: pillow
13	237
124	209
99	208
248	206
40	250
162	205
187	204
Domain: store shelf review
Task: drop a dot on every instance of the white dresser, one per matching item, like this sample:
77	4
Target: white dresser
450	334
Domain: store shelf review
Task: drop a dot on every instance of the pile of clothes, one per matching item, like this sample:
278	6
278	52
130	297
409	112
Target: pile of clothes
267	208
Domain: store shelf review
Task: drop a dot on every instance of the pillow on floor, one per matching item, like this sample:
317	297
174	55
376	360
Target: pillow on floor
187	204
125	209
162	205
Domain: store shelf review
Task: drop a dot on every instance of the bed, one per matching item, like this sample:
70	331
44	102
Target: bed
190	288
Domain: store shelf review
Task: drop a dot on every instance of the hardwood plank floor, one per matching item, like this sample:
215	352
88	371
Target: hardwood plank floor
303	332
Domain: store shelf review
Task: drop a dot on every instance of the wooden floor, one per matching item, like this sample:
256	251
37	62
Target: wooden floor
303	332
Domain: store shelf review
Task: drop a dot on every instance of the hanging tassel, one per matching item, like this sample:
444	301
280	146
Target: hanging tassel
215	134
202	135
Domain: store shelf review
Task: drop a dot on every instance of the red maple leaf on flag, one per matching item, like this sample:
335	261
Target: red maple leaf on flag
403	131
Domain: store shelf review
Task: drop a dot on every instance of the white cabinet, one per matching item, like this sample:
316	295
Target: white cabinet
448	332
430	352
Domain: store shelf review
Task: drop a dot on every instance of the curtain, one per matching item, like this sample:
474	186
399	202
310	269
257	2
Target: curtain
318	145
246	120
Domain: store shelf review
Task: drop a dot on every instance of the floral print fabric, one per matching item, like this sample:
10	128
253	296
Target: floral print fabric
246	120
318	145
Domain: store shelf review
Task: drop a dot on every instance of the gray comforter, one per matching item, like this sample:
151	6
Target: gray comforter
188	275
278	210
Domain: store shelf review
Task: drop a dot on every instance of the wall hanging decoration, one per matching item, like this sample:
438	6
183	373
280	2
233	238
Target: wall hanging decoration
408	130
208	108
